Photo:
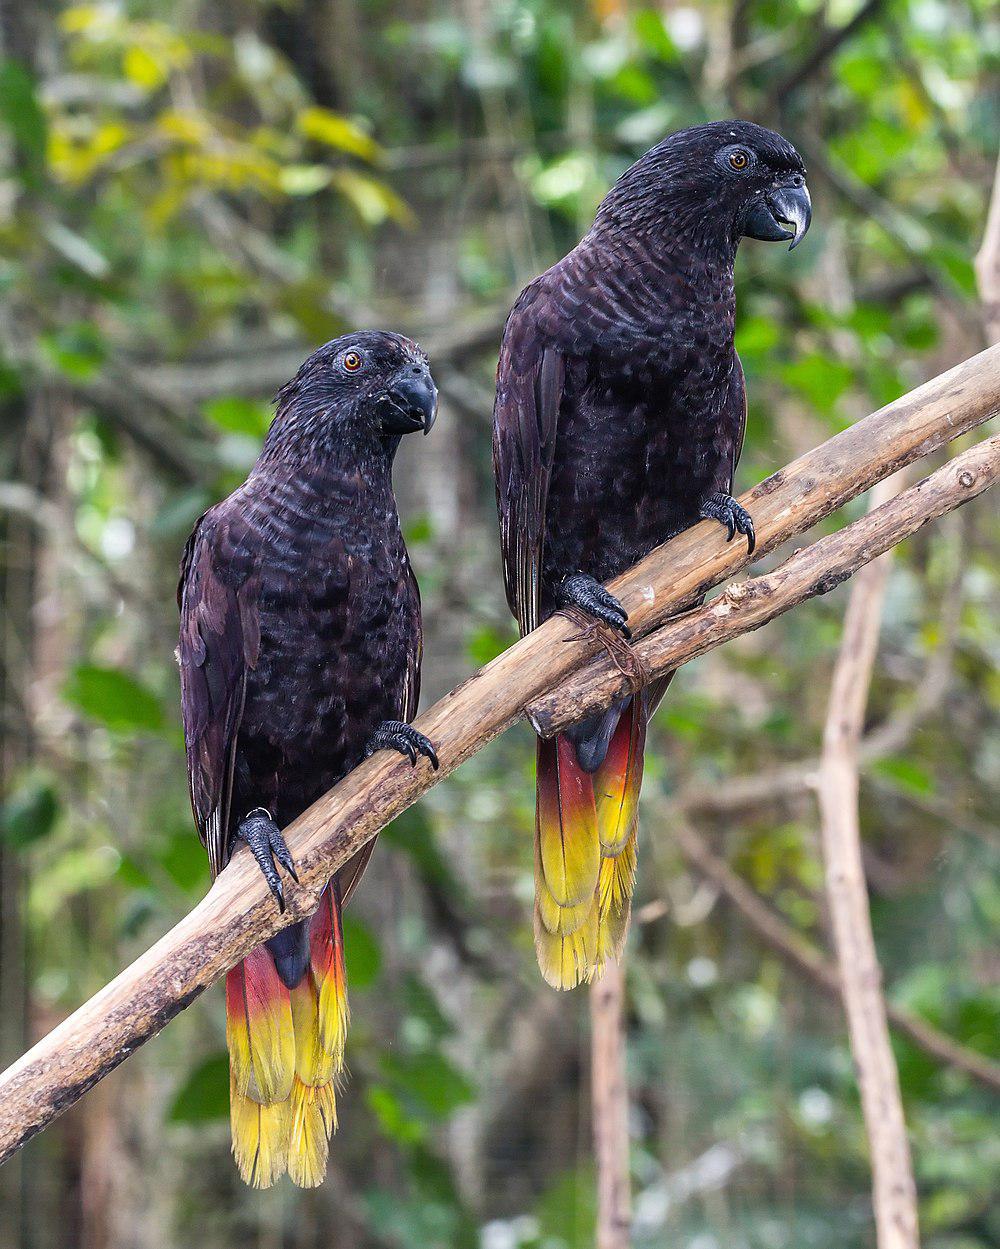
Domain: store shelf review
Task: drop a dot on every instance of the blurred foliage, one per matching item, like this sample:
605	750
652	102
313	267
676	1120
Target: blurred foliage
192	197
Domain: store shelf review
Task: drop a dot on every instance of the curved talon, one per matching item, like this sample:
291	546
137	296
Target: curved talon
404	738
583	591
266	843
725	509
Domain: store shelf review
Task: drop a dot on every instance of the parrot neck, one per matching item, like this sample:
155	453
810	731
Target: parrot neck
324	462
304	440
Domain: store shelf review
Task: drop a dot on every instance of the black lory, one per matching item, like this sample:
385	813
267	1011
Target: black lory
619	419
300	647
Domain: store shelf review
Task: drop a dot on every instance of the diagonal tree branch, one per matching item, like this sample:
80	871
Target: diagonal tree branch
237	913
803	955
749	604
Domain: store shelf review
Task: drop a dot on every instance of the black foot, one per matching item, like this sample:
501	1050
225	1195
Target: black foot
581	590
725	509
266	843
397	735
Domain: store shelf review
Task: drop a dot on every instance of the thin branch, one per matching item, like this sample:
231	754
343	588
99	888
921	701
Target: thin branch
894	1194
988	265
834	38
609	1105
237	914
801	954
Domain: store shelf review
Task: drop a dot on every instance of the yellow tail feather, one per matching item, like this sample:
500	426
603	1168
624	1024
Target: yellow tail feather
260	1137
286	1053
309	1138
566	961
565	824
259	1029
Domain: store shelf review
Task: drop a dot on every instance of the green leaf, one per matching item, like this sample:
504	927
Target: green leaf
29	813
819	379
393	1118
184	860
204	1095
567	1212
906	774
487	642
237	415
411	832
114	698
430	1080
76	350
362	953
22	114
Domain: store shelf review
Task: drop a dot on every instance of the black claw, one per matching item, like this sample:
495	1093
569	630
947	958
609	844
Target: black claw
403	737
583	591
266	844
725	509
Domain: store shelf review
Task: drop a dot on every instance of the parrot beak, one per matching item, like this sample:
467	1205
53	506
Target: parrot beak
410	402
781	214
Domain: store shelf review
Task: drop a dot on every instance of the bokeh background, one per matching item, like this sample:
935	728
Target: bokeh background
194	195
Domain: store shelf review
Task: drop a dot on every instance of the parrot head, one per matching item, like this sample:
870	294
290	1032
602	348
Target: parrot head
372	386
719	182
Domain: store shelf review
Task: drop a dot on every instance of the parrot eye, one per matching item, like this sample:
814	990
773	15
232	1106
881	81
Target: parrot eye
352	361
739	160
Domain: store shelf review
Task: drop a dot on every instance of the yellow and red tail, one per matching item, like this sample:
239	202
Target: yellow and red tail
585	851
286	1051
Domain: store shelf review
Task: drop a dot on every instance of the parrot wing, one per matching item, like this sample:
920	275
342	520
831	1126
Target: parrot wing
530	380
219	643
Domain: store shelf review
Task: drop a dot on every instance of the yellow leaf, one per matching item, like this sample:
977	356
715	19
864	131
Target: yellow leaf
304	179
142	68
373	201
336	131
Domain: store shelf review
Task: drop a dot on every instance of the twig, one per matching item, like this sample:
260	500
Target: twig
609	1104
833	39
893	1189
801	954
238	914
988	265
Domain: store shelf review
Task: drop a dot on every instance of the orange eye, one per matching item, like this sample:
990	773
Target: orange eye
739	160
352	362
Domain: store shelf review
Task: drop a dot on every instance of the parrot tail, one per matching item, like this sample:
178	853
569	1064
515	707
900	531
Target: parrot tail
616	791
585	851
286	1049
567	865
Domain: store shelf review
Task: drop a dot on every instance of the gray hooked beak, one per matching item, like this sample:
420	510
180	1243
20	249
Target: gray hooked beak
784	213
410	403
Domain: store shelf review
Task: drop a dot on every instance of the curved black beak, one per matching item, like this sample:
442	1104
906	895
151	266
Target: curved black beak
410	403
784	213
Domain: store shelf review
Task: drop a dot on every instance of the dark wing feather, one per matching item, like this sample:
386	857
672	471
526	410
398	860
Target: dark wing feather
219	643
530	379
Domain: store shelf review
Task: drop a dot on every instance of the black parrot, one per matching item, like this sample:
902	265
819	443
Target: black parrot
300	647
619	419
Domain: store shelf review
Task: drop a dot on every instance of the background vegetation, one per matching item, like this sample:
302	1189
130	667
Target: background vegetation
193	196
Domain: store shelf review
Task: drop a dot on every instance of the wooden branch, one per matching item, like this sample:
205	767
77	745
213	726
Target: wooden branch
609	1108
988	265
801	954
237	913
752	603
894	1194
